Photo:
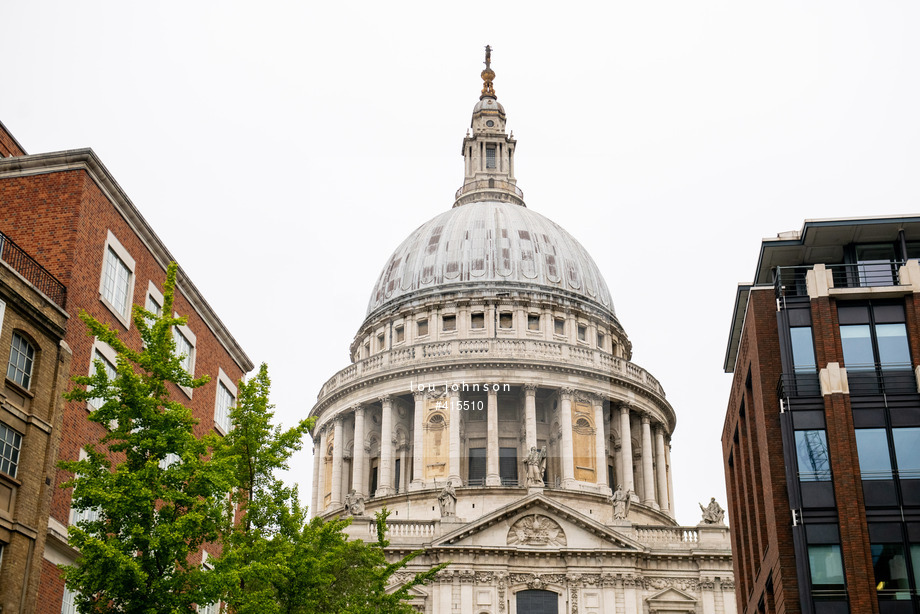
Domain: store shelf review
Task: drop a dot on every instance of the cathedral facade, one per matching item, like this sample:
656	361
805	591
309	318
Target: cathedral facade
492	408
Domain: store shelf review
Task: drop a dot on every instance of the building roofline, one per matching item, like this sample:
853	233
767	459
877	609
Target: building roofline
13	138
87	160
742	295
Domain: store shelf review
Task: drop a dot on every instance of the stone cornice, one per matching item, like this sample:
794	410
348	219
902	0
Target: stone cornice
86	160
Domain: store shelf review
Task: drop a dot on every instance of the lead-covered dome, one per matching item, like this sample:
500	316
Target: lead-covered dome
493	243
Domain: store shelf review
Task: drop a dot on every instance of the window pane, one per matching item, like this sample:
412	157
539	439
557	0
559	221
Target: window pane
10	445
875	264
110	372
22	355
811	449
915	559
907	451
225	402
115	281
857	347
183	349
892	345
826	566
890	568
874	459
803	349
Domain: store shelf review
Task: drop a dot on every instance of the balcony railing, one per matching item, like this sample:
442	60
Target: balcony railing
789	281
492	349
489	184
36	274
861	380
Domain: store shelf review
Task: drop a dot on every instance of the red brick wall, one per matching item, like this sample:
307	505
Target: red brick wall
756	481
8	145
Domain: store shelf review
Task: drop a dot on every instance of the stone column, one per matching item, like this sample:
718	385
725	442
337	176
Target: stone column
418	442
568	449
667	460
403	456
317	459
385	470
648	479
453	414
323	445
600	444
338	462
626	454
492	476
530	416
359	454
661	472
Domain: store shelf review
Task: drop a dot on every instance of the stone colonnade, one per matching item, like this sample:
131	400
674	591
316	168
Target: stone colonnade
395	444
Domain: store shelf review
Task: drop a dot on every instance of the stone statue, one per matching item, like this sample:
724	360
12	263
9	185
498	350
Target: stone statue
621	503
535	465
712	513
354	503
448	500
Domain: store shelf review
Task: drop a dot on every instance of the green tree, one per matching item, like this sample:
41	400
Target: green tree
274	561
156	493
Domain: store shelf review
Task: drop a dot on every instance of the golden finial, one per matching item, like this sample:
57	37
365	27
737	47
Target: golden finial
487	76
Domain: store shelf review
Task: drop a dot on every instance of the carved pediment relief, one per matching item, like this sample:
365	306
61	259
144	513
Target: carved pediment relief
671	600
536	530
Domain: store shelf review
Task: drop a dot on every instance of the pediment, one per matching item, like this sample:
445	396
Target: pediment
538	523
671	600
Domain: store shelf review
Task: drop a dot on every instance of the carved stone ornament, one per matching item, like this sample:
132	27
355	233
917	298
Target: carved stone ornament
536	530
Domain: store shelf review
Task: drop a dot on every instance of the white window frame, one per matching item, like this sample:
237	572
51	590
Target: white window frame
153	293
111	242
2	311
209	608
106	351
189	336
222	423
16	448
89	514
27	376
68	605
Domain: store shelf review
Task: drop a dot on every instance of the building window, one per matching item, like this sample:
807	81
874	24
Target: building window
422	327
477	467
68	604
449	323
803	349
226	399
400	333
558	326
600	340
381	342
533	321
907	451
890	566
490	157
811	450
10	445
478	320
85	515
110	372
876	265
508	466
116	288
116	280
873	335
22	357
506	320
184	349
826	565
874	456
582	332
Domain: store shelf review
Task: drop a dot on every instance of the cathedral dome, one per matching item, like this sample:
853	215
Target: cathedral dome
494	243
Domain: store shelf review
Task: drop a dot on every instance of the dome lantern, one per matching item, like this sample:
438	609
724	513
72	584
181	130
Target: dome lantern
488	152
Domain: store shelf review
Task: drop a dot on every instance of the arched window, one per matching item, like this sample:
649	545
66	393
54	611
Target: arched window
22	357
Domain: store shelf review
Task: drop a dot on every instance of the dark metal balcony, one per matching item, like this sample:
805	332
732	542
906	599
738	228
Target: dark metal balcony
789	281
36	274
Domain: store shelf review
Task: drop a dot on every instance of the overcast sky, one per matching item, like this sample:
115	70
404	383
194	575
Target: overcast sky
283	150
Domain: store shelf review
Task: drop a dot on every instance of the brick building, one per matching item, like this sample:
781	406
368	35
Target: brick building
67	211
822	432
32	327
